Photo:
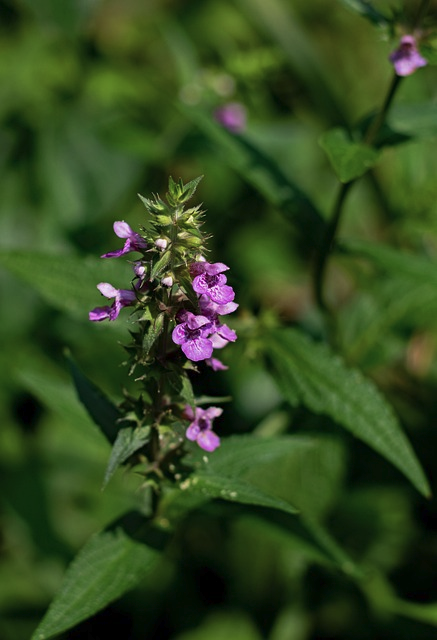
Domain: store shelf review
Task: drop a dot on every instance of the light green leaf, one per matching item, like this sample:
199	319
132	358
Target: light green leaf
110	564
324	384
127	442
349	159
100	408
66	282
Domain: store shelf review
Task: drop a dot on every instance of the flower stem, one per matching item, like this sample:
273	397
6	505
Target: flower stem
331	229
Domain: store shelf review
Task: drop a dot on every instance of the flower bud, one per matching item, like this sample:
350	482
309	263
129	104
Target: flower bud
161	243
167	281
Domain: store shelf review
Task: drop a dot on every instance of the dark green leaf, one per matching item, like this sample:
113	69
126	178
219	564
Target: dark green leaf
322	382
110	564
160	265
102	411
153	333
263	174
127	442
66	282
349	159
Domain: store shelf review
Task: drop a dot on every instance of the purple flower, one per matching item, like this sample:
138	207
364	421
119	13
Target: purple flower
211	310
200	429
406	58
192	334
123	298
134	242
232	116
221	335
212	282
216	364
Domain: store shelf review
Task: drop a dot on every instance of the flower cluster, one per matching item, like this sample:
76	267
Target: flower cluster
200	334
178	299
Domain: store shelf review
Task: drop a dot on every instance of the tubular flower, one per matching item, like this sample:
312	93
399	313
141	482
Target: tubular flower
406	58
123	298
200	429
192	336
134	242
212	282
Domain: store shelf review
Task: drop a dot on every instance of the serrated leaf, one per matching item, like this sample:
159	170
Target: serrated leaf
127	442
302	471
110	564
349	159
324	384
100	408
235	490
153	333
66	282
160	265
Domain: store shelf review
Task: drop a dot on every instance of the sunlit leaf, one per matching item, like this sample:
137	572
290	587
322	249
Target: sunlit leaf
324	384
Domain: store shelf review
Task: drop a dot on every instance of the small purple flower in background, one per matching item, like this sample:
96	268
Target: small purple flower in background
232	116
212	282
406	58
123	298
200	429
134	242
192	334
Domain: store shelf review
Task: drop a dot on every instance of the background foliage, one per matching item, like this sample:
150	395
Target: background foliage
101	100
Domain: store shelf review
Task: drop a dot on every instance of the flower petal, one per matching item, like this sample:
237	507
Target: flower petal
198	349
208	440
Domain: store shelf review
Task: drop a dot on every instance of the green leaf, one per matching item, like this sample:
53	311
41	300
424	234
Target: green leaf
127	442
321	381
153	333
66	282
394	261
234	490
100	408
349	159
110	564
416	119
160	265
365	9
179	192
302	471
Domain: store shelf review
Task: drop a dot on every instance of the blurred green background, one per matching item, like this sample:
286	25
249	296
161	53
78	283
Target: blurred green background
104	99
